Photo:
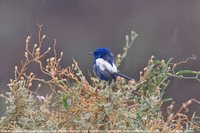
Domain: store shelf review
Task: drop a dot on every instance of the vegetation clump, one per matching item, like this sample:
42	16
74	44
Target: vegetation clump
78	105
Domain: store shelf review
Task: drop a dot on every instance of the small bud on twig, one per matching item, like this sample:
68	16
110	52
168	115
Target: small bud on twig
39	85
28	39
61	54
145	69
140	72
127	38
16	68
119	56
30	84
26	54
38	50
49	48
43	37
22	78
35	45
52	59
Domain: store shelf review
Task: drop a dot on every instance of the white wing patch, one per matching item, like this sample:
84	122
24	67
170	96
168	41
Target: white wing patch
104	65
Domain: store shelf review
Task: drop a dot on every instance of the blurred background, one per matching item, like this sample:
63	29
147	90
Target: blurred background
166	29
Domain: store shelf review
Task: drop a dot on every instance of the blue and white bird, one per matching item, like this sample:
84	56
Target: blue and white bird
104	67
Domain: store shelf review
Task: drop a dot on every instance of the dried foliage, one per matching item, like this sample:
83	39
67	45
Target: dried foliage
76	105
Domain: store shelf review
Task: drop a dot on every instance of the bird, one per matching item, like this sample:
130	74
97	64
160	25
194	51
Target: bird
104	66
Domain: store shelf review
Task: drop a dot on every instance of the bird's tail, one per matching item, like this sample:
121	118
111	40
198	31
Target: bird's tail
123	76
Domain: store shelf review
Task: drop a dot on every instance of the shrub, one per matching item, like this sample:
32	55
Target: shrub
78	105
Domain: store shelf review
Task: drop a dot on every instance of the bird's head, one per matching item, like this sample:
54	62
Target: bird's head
101	53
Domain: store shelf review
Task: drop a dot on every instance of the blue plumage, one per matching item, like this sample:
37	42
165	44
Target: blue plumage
104	67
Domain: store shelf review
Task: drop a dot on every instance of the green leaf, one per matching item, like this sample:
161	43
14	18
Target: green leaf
65	103
167	99
184	72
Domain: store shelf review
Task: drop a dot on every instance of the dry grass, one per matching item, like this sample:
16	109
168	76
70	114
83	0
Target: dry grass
76	105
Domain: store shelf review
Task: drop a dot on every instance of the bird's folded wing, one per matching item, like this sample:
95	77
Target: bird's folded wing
104	65
102	74
104	70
